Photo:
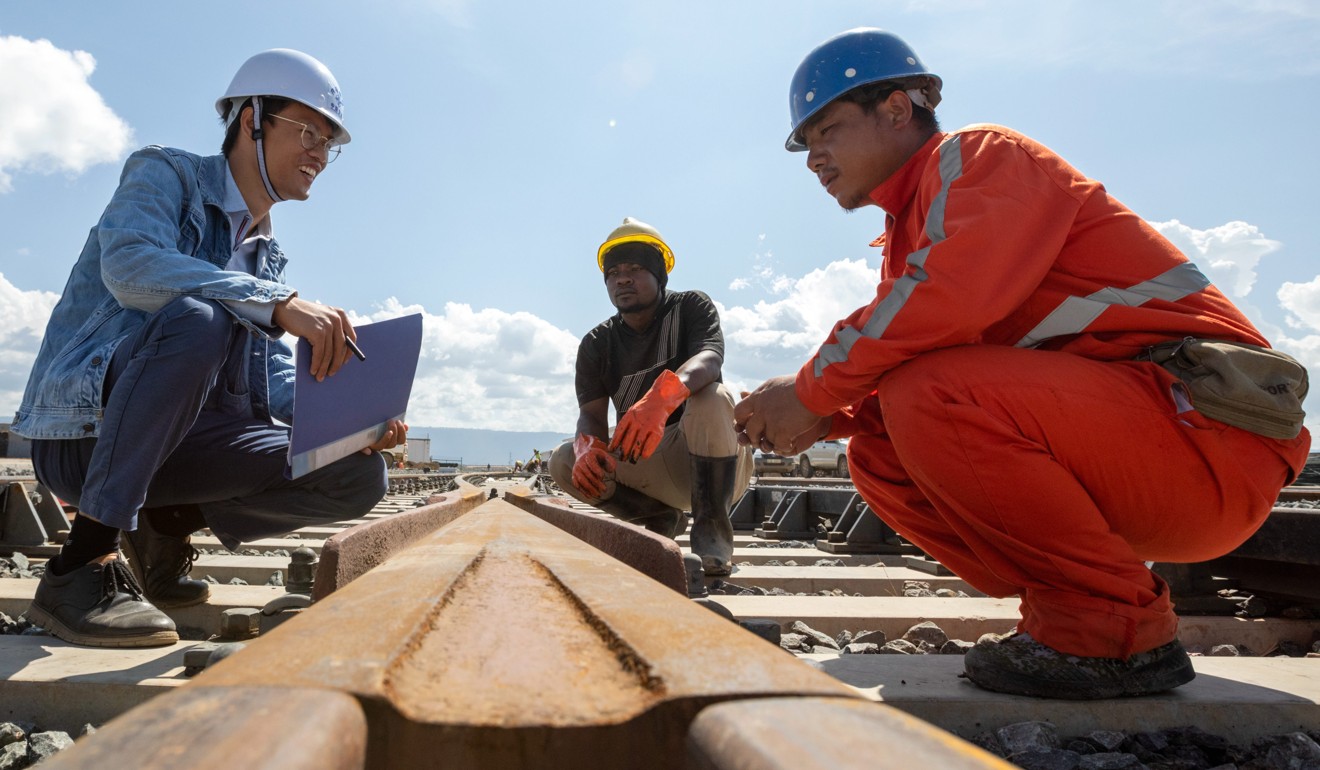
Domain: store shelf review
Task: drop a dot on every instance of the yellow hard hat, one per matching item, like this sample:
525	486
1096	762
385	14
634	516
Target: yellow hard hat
635	231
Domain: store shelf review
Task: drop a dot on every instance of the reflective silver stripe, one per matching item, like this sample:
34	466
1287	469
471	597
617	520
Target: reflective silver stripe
833	354
1075	314
883	315
898	296
950	169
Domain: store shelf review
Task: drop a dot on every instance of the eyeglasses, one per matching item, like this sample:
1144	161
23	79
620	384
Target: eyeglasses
311	139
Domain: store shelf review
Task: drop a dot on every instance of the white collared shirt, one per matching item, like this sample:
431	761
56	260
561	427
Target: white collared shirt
250	247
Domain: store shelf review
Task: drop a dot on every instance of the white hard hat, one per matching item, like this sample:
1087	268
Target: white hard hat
288	74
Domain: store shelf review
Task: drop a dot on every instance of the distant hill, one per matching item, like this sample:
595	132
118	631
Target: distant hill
473	446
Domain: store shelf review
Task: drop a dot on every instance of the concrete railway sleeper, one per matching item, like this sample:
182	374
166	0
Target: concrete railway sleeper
520	632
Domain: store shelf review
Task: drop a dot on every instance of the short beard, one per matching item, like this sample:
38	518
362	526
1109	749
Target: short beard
638	307
854	205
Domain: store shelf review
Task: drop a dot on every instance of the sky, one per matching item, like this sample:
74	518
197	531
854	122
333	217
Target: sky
496	144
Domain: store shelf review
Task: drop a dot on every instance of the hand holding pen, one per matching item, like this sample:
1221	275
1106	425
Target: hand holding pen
325	328
357	351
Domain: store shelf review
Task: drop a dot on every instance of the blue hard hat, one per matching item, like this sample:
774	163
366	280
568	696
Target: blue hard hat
846	61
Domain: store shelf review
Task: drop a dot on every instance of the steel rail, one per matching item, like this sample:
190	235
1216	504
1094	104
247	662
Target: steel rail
475	632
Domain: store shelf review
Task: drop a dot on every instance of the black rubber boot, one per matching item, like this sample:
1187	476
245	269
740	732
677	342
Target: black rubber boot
713	480
101	606
161	564
645	511
670	525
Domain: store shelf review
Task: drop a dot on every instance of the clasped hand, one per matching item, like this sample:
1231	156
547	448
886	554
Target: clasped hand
773	419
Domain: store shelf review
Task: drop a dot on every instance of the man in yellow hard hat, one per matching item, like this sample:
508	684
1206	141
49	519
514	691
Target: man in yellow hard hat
658	359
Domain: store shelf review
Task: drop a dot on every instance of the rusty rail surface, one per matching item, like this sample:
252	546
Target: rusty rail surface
254	728
513	633
495	641
845	734
351	553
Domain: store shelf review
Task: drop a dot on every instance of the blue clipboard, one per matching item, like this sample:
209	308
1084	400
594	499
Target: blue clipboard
344	413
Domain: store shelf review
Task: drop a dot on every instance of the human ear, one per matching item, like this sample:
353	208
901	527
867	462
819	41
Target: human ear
245	120
898	109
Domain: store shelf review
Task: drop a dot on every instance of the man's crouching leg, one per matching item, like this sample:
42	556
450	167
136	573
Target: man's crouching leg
627	504
1062	476
720	473
345	489
621	501
157	381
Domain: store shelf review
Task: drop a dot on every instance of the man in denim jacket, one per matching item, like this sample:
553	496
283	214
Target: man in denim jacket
153	400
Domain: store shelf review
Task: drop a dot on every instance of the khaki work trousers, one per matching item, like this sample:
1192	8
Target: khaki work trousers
705	430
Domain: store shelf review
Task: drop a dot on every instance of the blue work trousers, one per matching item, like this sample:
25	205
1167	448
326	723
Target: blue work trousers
179	429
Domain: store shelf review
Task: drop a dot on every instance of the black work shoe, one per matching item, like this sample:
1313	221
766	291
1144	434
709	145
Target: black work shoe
1021	665
161	564
100	606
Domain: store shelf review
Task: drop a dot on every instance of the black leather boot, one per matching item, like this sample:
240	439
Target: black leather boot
643	510
161	563
713	479
100	605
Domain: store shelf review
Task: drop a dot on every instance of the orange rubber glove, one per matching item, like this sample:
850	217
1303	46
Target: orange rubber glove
639	431
590	463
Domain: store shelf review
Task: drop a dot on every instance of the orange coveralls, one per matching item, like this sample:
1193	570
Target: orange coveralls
998	418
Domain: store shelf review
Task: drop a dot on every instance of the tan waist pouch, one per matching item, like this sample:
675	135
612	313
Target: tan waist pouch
1246	386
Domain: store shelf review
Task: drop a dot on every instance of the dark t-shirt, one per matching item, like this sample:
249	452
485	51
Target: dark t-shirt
615	361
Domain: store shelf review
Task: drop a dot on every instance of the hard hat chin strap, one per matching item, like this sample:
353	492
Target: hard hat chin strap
924	92
918	98
258	134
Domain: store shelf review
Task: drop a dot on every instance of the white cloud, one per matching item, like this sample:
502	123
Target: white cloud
53	119
771	338
499	370
490	369
478	369
23	316
1302	301
637	70
632	72
1228	254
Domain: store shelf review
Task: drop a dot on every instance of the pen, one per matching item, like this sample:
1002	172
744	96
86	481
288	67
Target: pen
357	351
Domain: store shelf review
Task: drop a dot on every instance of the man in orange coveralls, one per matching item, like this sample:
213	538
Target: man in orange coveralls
1000	419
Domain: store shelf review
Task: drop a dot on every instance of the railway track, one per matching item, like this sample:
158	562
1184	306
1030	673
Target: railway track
498	624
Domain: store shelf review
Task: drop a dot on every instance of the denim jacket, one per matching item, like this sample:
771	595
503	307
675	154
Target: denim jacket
164	234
